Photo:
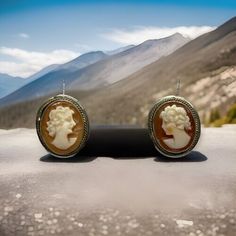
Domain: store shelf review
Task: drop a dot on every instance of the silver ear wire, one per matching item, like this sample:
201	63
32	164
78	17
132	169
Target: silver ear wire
178	88
63	87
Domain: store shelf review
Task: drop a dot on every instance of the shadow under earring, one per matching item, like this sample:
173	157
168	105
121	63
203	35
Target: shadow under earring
174	126
62	126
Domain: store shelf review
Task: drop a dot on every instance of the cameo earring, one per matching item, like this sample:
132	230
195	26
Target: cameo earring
174	126
62	125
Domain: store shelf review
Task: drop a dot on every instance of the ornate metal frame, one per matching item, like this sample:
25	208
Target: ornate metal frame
75	102
197	123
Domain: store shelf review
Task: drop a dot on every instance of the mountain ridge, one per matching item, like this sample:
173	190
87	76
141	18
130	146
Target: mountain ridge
9	83
101	73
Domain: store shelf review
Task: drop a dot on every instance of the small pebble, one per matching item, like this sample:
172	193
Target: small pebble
104	232
22	223
8	208
184	223
222	216
38	215
18	195
30	228
49	222
58	230
192	234
57	213
104	227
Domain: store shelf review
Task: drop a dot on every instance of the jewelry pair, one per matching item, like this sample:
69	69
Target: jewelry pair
63	126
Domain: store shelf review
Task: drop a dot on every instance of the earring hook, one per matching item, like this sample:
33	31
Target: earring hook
63	87
178	88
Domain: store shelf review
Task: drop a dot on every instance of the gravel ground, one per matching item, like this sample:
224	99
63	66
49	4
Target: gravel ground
40	195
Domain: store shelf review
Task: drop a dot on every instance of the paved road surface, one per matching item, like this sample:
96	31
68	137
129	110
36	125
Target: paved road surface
107	196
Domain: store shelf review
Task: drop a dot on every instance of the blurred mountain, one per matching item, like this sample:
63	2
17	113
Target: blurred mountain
42	72
107	70
41	80
83	61
73	65
121	65
118	50
9	83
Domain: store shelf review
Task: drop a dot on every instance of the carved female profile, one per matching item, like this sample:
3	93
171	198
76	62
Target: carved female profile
60	125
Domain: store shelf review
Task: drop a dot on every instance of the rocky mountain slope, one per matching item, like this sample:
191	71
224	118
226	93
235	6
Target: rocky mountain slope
206	67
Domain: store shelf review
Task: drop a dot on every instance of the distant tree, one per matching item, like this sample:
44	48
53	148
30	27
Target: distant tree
205	120
214	115
231	114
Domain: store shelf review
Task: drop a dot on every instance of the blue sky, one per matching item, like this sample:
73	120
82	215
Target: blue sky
50	32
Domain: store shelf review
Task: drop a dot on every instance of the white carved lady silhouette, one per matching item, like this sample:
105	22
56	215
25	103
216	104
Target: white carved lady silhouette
60	124
174	122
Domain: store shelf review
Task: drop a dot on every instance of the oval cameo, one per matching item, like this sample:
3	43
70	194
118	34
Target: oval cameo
62	126
174	126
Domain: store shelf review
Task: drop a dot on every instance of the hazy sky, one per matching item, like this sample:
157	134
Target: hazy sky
36	33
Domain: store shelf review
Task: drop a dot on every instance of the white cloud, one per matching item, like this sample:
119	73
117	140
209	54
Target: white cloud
30	62
140	34
23	35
